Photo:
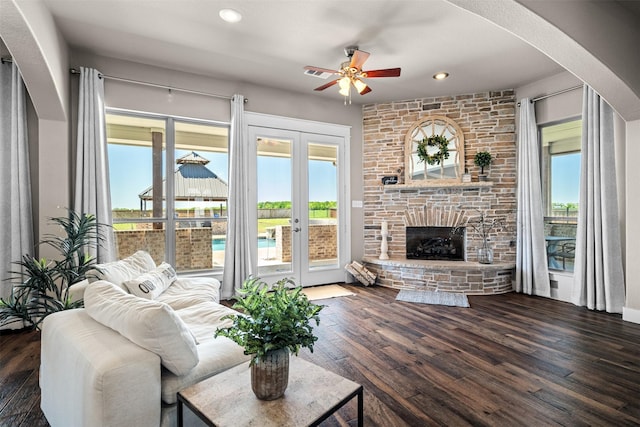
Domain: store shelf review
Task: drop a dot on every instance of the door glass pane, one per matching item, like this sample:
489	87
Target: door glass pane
275	243
323	205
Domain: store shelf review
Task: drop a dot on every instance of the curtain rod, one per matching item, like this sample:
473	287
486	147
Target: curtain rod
541	97
170	88
6	60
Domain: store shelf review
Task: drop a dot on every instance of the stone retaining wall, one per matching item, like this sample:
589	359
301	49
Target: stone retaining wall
323	242
193	246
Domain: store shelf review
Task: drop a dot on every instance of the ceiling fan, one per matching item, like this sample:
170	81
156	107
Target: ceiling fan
351	73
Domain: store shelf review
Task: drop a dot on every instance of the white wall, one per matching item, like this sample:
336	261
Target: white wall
631	312
556	108
30	35
614	75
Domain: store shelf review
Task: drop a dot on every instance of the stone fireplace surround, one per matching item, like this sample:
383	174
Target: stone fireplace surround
488	122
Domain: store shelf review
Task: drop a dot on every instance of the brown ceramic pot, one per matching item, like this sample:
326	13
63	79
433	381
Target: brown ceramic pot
270	375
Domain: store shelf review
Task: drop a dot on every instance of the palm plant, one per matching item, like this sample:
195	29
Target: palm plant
44	284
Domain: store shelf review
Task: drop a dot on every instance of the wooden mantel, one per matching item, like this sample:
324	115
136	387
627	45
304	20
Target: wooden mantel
429	184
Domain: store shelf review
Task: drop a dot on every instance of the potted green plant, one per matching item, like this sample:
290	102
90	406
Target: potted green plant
275	321
482	159
44	285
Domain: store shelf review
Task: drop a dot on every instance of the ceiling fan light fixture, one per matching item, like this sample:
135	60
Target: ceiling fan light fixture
441	75
351	73
345	85
360	85
230	15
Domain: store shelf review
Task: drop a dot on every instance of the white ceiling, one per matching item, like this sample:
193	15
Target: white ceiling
277	38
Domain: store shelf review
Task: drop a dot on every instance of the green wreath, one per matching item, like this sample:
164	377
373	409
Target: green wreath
433	141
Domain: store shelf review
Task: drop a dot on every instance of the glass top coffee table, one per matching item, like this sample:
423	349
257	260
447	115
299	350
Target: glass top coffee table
313	395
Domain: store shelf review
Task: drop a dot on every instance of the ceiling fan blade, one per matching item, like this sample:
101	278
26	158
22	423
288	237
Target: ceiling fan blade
358	59
321	70
366	90
388	72
324	86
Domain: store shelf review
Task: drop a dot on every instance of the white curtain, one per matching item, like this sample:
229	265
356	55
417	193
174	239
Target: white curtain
532	273
598	276
91	191
238	256
16	227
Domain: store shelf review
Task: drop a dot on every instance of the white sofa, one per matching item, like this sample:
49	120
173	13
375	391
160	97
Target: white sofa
122	359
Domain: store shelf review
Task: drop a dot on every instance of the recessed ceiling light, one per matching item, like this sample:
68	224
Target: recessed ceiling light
230	15
441	75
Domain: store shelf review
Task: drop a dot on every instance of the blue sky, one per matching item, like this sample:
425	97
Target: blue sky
130	171
565	170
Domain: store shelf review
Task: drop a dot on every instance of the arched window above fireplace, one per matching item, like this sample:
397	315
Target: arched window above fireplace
434	151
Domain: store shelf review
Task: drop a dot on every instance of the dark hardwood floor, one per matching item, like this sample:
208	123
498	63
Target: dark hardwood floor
509	360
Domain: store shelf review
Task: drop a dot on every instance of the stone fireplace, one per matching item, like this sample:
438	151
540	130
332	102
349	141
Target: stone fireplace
488	122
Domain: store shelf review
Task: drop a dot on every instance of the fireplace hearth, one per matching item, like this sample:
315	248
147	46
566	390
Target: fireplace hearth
436	243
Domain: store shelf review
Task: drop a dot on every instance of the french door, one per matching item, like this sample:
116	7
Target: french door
300	197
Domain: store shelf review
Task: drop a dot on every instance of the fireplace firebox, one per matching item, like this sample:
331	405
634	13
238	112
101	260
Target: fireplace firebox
436	243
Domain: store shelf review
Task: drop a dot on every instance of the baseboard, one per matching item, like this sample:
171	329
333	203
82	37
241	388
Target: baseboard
631	315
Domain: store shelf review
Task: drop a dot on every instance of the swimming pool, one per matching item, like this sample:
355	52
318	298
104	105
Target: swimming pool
218	244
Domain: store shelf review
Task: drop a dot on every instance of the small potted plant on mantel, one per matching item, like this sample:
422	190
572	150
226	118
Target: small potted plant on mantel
276	320
482	159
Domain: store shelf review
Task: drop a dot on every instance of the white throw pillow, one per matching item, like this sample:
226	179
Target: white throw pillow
118	272
150	324
151	284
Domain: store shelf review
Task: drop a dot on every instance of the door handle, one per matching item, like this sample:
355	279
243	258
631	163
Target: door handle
297	229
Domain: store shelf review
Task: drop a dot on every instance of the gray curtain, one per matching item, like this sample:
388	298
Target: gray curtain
16	227
238	256
91	191
598	276
532	273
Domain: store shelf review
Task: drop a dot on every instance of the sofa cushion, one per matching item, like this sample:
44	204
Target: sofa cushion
151	284
118	272
150	324
185	292
204	318
214	354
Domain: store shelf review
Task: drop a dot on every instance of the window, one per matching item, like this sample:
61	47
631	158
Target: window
561	190
168	179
